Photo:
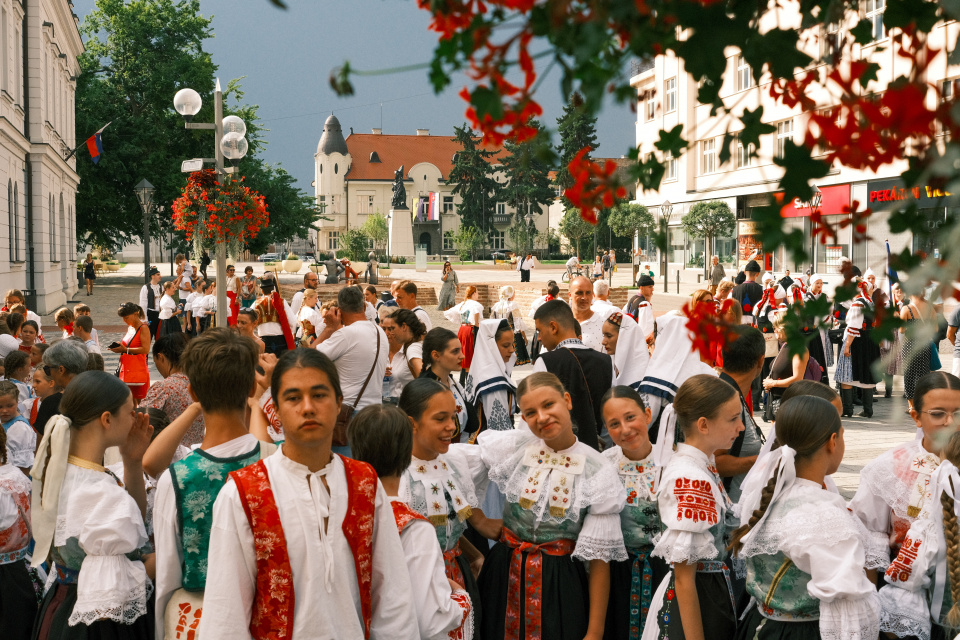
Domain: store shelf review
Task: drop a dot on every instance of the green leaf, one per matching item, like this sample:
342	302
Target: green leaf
800	170
869	75
903	13
754	127
863	32
672	141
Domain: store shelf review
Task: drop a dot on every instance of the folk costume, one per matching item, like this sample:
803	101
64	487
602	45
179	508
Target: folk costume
441	614
894	489
21	442
562	510
632	356
917	597
820	346
464	313
632	581
693	507
508	310
275	322
856	369
18	599
804	561
466	418
92	531
290	559
183	517
168	322
489	385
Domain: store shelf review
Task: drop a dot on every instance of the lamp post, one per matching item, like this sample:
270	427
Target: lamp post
665	210
229	142
145	191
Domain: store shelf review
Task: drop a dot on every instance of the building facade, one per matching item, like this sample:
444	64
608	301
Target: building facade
667	96
39	45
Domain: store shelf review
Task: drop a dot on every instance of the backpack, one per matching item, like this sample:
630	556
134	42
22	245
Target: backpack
814	370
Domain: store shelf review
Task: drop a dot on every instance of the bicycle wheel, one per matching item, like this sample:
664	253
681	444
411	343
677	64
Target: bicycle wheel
565	277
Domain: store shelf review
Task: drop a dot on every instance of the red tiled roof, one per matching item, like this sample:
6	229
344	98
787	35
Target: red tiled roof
395	150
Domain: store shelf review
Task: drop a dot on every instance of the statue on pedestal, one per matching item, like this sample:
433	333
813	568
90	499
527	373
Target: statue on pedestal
399	191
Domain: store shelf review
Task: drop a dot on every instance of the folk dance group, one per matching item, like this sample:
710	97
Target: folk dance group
518	529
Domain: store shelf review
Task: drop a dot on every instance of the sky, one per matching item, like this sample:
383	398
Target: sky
287	56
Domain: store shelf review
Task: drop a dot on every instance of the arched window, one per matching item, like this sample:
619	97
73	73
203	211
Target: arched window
52	223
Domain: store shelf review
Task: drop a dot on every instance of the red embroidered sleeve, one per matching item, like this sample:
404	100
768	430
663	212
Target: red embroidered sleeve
465	630
901	568
695	500
404	515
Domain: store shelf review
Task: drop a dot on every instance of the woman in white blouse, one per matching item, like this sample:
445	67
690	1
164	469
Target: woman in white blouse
169	311
803	549
563	501
89	523
405	334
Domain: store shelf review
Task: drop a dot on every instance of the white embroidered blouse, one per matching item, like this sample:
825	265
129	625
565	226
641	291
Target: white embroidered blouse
640	518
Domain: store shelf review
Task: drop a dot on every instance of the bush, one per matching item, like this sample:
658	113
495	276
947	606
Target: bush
292	256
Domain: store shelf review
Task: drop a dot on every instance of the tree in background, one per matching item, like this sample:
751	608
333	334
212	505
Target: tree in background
575	227
466	241
708	220
375	227
629	220
578	129
353	243
472	175
528	188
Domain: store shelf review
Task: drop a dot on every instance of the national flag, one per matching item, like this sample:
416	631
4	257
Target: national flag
95	144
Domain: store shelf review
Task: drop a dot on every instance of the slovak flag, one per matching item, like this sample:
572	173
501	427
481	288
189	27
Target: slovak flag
95	144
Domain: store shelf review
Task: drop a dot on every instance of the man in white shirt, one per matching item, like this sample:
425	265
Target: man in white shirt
601	298
150	295
407	299
524	265
207	305
350	340
591	323
572	264
304	544
275	321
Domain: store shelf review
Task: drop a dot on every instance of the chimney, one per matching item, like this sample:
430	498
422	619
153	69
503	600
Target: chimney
423	132
377	132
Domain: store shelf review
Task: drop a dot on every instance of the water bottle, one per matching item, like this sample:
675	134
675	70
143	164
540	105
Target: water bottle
387	388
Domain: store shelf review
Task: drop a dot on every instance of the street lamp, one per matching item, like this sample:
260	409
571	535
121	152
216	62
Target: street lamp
665	210
145	191
229	142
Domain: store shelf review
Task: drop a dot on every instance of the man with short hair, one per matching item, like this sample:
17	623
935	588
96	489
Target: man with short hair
524	264
406	296
150	295
640	307
605	264
572	264
591	323
601	298
587	374
275	321
82	328
717	274
62	362
749	293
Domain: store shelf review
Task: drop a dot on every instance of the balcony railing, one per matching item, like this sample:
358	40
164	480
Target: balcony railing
501	218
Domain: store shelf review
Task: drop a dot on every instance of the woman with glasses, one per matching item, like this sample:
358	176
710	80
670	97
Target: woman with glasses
893	487
451	287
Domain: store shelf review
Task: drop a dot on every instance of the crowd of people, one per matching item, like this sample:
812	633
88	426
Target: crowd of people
344	469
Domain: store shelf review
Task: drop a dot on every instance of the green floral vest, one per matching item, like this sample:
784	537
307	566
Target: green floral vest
197	479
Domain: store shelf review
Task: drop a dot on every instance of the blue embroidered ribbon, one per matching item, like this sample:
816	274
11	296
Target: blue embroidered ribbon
641	590
66	575
12	556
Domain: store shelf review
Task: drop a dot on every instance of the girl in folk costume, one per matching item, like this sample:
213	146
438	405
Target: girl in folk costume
696	600
438	484
169	311
858	353
632	581
820	346
803	549
468	315
895	487
922	596
622	340
86	521
64	319
442	357
891	353
563	501
19	436
767	305
380	435
507	309
18	599
304	543
489	386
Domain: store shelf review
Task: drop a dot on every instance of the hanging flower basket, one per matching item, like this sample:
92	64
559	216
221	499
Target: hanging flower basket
211	213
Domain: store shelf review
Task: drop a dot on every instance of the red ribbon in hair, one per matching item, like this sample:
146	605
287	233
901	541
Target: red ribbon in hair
68	328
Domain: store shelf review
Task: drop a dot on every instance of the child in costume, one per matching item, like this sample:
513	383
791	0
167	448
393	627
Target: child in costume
21	439
18	599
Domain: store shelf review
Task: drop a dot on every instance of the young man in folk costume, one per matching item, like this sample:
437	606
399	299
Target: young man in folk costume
275	320
220	365
304	543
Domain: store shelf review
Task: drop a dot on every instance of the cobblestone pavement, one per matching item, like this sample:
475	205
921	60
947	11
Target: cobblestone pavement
865	438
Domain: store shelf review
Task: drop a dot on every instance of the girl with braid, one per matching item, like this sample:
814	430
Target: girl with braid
894	487
803	550
922	596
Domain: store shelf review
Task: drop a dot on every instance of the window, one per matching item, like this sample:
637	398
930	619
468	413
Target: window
17	66
501	208
370	246
53	233
321	199
744	154
365	204
832	41
651	108
874	13
744	77
671	167
708	156
670	90
448	204
11	223
784	133
498	240
333	240
4	77
946	94
448	244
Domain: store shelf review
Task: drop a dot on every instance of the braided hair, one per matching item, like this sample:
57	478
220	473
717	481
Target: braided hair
951	533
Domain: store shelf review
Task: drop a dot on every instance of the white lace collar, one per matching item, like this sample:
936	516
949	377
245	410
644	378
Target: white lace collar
693	452
437	478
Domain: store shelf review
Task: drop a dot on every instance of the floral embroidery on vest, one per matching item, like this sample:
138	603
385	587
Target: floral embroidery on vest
404	515
439	483
358	528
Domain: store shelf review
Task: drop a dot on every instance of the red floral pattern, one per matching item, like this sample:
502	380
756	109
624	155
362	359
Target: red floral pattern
274	602
900	569
186	628
358	528
404	515
531	600
209	212
463	600
16	536
695	500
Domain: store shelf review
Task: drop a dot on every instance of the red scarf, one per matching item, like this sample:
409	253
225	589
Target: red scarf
282	314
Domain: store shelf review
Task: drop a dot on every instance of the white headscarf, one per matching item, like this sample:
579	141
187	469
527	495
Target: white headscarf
504	307
47	473
488	372
632	356
673	361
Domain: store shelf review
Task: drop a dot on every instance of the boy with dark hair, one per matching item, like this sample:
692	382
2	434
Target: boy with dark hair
220	365
83	329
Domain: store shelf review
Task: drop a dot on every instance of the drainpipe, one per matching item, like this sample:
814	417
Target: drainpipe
31	291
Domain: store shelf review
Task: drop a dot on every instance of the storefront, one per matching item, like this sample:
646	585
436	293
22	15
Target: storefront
829	201
934	207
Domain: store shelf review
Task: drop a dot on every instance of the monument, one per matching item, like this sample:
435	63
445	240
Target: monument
400	240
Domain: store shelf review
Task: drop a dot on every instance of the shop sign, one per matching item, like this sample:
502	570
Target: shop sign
830	201
886	194
747	228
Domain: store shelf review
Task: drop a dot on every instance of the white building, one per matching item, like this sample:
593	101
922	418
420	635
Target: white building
39	45
354	178
667	96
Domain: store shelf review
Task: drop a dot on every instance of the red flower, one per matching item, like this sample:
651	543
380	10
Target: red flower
708	331
594	187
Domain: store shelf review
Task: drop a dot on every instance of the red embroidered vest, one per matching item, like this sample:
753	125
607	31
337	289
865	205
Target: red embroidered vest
404	515
274	601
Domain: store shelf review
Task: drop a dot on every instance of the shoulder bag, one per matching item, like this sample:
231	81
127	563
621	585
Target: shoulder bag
346	410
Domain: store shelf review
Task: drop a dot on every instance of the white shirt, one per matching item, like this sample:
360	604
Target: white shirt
296	302
21	444
208	305
592	331
7	344
573	262
352	349
167	306
327	603
536	304
400	369
165	530
189	304
144	296
187	280
92	345
424	318
370	311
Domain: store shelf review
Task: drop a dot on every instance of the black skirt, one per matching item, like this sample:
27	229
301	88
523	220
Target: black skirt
520	345
168	326
620	616
18	601
755	627
51	623
716	611
470	584
564	597
864	354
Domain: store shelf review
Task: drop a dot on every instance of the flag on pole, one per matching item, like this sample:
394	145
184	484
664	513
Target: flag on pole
891	272
434	206
95	144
